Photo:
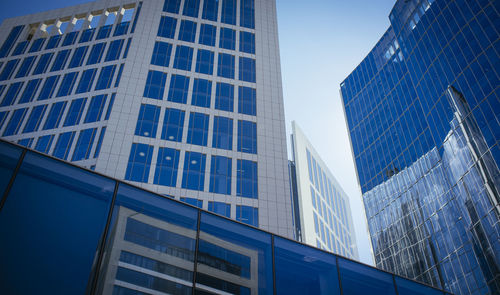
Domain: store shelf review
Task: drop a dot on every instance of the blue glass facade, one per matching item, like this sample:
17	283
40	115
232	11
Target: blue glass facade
423	112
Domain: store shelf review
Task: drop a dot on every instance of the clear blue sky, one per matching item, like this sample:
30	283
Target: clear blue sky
321	42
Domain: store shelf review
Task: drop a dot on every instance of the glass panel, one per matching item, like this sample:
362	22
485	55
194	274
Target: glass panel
362	279
166	167
167	27
210	9
173	124
220	175
193	176
407	287
187	31
227	38
161	54
207	35
205	62
147	123
183	57
9	155
202	91
191	8
220	208
139	162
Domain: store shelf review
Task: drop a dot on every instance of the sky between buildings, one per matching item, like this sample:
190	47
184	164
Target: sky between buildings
321	42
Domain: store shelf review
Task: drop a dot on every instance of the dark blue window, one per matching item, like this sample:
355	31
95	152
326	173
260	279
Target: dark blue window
70	39
139	162
37	45
223	133
187	31
247	102
20	48
55	115
191	8
119	76
43	63
228	13
172	125
210	9
198	129
8	69
166	167
3	116
25	67
84	144
99	142
48	87
357	278
226	66
34	119
248	215
167	27
75	112
147	123
220	175
224	97
67	84
30	90
247	137
193	176
11	39
110	106
183	57
25	142
87	35
78	57
193	201
172	6
247	69
205	62
63	145
104	32
11	94
121	29
179	86
220	208
86	81
161	54
114	50
125	52
207	35
60	60
247	14
227	38
15	122
407	287
246	179
53	42
96	53
44	143
96	108
155	85
202	91
247	42
105	77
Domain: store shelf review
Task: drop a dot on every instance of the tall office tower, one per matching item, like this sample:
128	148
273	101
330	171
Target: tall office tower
423	110
180	97
321	208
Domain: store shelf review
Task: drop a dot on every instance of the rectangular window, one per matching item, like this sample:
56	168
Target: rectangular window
25	67
125	52
161	54
202	91
191	8
30	91
25	142
155	85
247	69
86	81
121	29
247	101
248	215
247	42
8	69
87	35
96	53
53	42
69	39
198	129
220	175
75	112
55	115
114	50
104	32
193	176
193	201
35	118
172	6
99	142
227	38
63	145
60	60
220	208
187	31
183	57
166	167
172	125
224	97
210	9
37	45
43	63
15	122
247	14
207	35
247	137
20	48
67	84
223	133
119	76
179	86
48	87
167	27
105	77
11	94
139	162
205	62
246	179
110	106
84	144
147	123
96	107
11	39
44	143
78	57
226	66
228	13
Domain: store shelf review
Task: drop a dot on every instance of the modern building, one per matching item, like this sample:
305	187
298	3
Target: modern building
423	111
180	97
70	230
321	208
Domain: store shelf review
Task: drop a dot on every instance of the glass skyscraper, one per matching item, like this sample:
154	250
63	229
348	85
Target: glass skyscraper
423	111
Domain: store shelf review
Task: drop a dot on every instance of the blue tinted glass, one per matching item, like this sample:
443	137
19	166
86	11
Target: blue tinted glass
147	123
228	13
48	87
246	179
247	42
99	142
96	107
105	77
110	106
9	156
11	94
227	38
198	129
53	42
43	63
187	31
87	35
210	9
183	57
207	35
96	53
67	84
63	145
172	6
167	27
104	32
119	76
37	45
191	8
25	142
121	29
44	143
9	42
75	112
155	85
220	175
166	167
179	86
358	279
193	201
226	66
172	125
139	162
84	144
8	69
78	57
247	102
223	133
202	90
34	119
205	62
20	48
114	50
55	115
161	54
86	81
70	39
248	215
247	69
15	122
220	208
127	47
247	14
3	116
224	97
60	60
407	287
193	176
25	67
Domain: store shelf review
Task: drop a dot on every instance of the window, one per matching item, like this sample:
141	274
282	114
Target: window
11	94
105	77
37	45
84	144
11	39
110	106
53	42
210	9
67	84
247	101
223	133
179	86
166	167
193	176
247	42
78	24
43	63
246	180
202	91
193	201
29	91
183	57
48	87
15	122
99	142
25	67
25	142
119	75
172	125
96	53
55	115
104	32
172	6
78	57
361	279
63	145
161	54
248	215
60	60
147	123
139	162
224	97
44	143
247	69
35	118
155	85
220	175
87	35
198	129
191	8
247	14
114	50
69	39
228	15
86	81
167	27
125	53
75	112
220	208
227	38
207	35
205	62
96	107
187	31
121	28
226	66
20	48
8	69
